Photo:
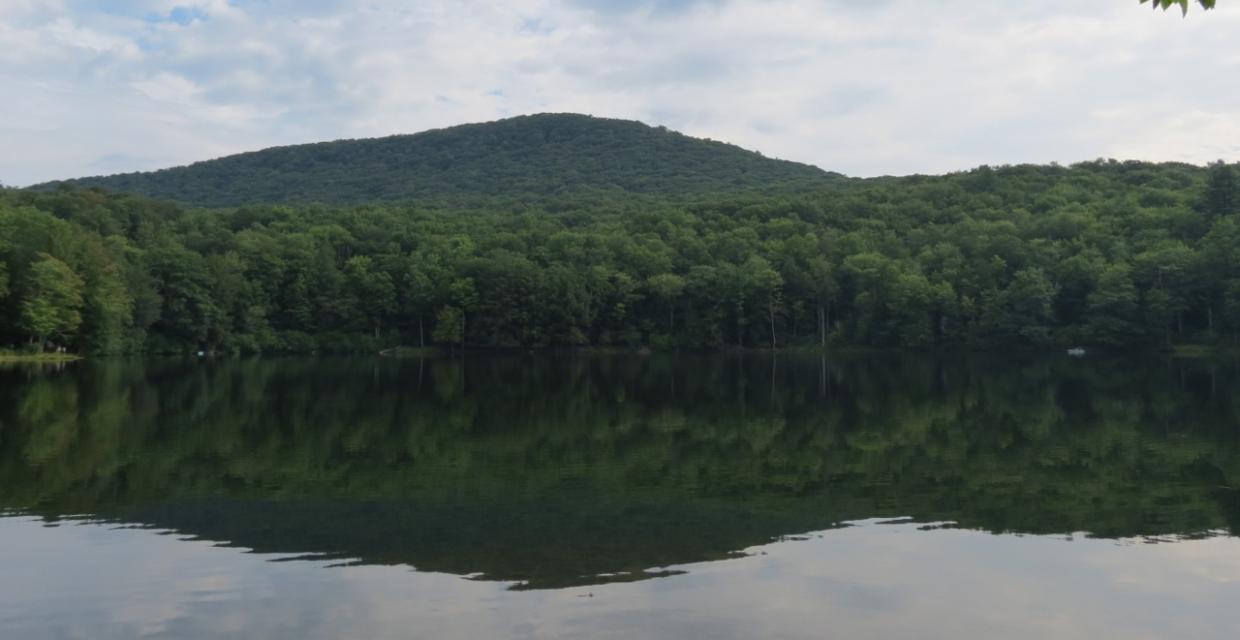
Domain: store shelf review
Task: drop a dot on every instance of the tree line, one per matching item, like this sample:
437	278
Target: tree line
1105	253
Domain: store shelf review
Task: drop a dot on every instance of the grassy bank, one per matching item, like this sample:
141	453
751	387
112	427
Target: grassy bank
1204	351
38	357
412	352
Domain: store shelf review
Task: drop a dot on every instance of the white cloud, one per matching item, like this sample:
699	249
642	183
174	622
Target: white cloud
864	88
168	87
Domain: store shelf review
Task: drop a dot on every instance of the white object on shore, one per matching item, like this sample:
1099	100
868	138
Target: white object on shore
1076	351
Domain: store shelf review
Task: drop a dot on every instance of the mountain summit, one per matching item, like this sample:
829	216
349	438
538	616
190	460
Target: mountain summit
538	155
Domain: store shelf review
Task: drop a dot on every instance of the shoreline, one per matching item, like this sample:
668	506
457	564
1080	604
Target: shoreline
1177	351
38	358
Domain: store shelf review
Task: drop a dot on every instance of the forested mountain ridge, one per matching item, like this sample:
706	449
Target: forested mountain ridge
537	156
1126	255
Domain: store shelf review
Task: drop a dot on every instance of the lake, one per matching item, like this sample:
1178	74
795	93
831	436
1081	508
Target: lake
570	496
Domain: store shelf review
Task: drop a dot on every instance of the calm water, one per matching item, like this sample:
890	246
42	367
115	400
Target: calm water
625	497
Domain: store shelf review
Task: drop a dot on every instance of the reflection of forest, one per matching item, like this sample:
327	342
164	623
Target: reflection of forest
547	470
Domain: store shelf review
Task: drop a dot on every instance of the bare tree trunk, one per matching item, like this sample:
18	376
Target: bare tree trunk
771	309
822	327
589	321
421	333
740	334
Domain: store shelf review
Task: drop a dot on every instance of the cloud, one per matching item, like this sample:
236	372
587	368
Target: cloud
890	87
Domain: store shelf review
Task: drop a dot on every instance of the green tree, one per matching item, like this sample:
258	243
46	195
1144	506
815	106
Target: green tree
450	326
1231	307
188	317
1113	308
464	296
1163	272
667	287
1075	277
753	281
108	310
373	292
706	296
419	293
52	300
1025	308
1222	194
825	288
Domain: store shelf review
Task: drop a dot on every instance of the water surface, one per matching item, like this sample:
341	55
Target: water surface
564	496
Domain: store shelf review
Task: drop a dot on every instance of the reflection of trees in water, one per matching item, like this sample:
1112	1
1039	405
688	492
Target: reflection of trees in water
547	469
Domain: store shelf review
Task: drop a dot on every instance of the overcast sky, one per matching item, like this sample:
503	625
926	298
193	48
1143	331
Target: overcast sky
861	87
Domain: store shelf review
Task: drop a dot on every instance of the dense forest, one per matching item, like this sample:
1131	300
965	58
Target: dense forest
529	158
1105	253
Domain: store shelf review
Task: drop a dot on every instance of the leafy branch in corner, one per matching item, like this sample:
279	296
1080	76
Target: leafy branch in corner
1183	4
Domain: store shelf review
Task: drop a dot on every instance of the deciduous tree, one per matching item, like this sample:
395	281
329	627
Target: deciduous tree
51	300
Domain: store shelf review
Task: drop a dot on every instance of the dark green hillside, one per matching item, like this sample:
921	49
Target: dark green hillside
539	155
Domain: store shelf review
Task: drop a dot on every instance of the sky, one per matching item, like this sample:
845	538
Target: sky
877	87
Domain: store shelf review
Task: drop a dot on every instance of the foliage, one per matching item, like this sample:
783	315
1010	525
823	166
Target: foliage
1118	254
449	326
540	156
52	300
1183	4
1222	196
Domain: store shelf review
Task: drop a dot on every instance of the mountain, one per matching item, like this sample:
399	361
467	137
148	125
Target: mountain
538	155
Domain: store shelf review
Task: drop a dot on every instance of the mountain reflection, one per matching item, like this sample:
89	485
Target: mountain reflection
560	471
